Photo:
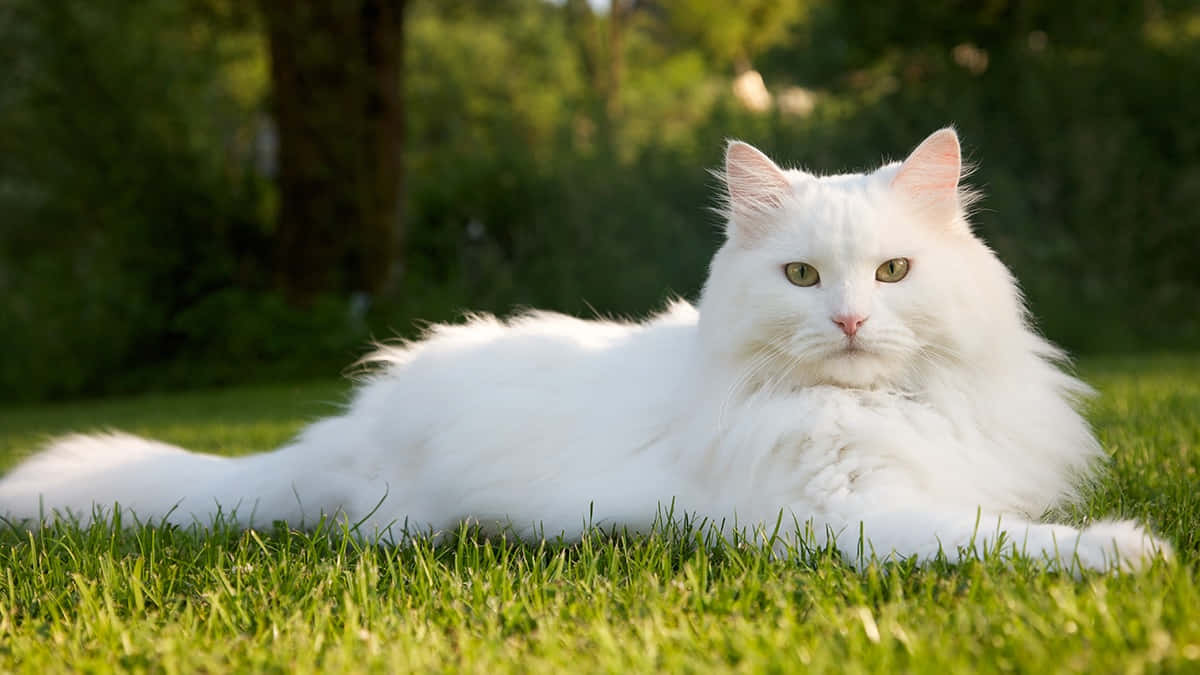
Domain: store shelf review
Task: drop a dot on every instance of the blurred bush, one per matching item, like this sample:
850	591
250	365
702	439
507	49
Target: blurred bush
121	205
136	211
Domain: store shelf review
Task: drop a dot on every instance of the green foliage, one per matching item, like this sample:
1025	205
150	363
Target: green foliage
133	227
221	599
733	33
137	234
120	206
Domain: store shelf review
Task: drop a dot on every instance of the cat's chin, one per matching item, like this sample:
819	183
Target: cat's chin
855	367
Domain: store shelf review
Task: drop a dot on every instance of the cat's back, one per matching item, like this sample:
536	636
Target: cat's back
532	341
536	363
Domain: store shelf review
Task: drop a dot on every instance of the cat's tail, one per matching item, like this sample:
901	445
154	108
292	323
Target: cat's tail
82	477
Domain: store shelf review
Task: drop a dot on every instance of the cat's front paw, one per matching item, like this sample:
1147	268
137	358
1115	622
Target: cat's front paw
1119	545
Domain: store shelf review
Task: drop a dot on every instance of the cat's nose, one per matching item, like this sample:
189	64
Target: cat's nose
849	323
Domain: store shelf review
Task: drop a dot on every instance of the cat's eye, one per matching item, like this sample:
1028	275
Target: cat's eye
893	270
801	274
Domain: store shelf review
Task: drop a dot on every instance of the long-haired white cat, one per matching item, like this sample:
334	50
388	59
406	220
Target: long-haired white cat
858	361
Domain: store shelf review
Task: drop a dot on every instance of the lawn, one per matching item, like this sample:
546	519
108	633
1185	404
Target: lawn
170	600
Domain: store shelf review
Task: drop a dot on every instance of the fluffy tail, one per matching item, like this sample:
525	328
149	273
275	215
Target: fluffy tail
82	476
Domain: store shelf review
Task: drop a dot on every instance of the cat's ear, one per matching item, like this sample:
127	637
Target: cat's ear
755	188
928	179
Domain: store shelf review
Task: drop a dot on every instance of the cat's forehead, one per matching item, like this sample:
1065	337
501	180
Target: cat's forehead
847	215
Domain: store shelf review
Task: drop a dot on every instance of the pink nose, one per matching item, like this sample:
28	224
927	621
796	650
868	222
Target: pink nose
849	323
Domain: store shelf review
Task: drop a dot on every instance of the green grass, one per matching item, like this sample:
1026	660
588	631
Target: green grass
170	600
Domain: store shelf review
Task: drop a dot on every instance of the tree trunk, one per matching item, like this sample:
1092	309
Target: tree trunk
338	105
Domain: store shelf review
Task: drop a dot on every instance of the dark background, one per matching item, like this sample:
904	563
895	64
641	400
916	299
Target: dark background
197	192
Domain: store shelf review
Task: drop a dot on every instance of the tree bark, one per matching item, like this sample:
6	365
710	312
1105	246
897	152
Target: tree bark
337	100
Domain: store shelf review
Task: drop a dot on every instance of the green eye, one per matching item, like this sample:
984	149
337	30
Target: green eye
801	274
893	270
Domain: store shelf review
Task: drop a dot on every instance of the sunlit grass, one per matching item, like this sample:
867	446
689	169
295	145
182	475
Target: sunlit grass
228	421
170	600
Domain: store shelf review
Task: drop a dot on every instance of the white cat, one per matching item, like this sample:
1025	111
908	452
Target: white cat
859	361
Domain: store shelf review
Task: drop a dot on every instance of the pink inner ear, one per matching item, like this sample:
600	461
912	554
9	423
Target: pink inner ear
930	175
755	183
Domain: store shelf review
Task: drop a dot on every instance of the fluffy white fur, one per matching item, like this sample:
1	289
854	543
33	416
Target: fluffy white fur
943	422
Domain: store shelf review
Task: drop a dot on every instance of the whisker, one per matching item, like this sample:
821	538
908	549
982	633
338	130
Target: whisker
757	361
762	357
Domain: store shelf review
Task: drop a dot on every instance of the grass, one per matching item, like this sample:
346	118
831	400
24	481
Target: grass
171	600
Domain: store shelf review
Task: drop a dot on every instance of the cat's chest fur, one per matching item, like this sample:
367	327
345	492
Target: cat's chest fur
819	447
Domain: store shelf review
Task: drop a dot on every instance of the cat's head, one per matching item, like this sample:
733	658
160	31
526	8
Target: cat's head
856	279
